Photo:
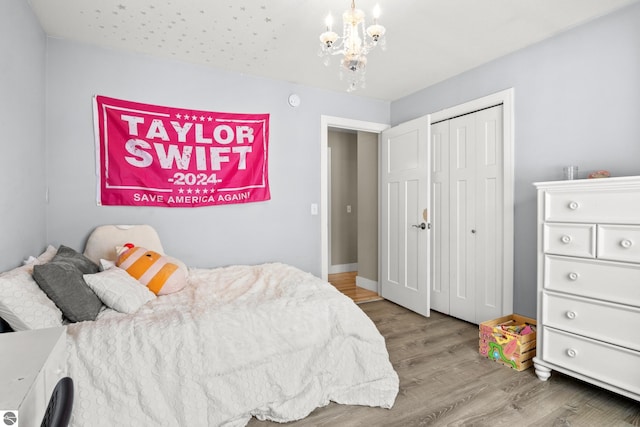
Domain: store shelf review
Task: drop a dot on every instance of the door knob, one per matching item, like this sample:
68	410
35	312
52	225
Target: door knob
421	226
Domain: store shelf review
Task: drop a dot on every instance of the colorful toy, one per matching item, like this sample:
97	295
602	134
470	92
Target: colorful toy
495	350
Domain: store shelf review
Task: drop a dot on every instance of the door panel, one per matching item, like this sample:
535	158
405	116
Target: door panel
413	236
405	194
462	187
403	155
489	214
439	216
393	241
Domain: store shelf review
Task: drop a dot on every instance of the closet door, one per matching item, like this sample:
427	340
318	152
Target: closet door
489	215
467	215
462	226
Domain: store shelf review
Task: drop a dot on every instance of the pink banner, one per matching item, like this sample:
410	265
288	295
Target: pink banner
160	156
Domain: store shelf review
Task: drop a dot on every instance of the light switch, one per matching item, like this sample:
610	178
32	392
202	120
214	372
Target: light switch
348	208
314	209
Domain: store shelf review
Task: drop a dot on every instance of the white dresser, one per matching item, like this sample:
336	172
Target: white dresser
589	282
31	363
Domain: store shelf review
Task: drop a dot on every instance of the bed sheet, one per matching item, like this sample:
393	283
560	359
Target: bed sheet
268	341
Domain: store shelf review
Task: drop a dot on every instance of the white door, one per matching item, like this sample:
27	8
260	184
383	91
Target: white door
468	197
462	226
489	214
404	221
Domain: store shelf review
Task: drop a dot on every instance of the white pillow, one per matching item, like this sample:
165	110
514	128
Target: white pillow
119	290
103	240
105	264
22	303
46	256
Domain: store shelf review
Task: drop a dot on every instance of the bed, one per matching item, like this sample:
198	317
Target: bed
267	341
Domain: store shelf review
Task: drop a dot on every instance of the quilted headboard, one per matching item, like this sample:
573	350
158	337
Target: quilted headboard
103	240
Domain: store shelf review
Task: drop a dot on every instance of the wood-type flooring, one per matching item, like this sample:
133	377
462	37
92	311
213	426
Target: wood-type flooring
445	382
346	283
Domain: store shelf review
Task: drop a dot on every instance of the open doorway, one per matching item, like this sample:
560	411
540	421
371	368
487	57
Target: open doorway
342	158
351	126
353	213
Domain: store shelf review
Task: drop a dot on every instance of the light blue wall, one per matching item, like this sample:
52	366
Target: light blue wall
281	229
22	144
577	102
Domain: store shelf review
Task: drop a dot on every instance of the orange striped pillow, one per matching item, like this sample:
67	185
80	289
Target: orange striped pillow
153	270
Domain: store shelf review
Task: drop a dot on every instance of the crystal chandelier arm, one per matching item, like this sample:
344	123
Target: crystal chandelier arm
376	31
327	39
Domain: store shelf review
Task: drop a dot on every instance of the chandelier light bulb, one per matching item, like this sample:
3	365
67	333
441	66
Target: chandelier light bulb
376	13
329	22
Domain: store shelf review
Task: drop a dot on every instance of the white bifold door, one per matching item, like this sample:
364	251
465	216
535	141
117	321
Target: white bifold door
467	215
404	220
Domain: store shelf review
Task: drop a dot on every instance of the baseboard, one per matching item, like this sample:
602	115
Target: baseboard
343	268
368	284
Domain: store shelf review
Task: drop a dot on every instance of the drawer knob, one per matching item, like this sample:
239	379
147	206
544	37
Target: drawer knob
565	239
626	243
573	205
572	352
571	315
573	276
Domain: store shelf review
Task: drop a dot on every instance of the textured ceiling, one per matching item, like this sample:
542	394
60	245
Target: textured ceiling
427	40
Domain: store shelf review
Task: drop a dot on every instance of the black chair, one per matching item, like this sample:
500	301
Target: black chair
59	409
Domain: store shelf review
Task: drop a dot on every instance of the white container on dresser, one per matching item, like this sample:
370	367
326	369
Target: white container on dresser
31	363
589	282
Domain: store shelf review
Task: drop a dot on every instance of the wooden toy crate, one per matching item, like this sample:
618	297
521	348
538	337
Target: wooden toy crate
505	345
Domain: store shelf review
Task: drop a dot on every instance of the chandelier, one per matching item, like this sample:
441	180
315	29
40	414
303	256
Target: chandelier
354	45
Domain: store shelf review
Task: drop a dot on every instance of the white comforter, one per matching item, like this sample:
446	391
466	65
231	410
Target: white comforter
268	341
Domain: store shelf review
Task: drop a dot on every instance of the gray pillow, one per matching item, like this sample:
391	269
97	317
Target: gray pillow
61	279
80	261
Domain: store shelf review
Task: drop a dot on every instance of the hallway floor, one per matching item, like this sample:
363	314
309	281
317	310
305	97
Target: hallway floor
346	283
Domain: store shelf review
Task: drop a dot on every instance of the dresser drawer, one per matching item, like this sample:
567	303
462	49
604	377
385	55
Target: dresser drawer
610	281
619	242
609	322
570	239
605	362
617	206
